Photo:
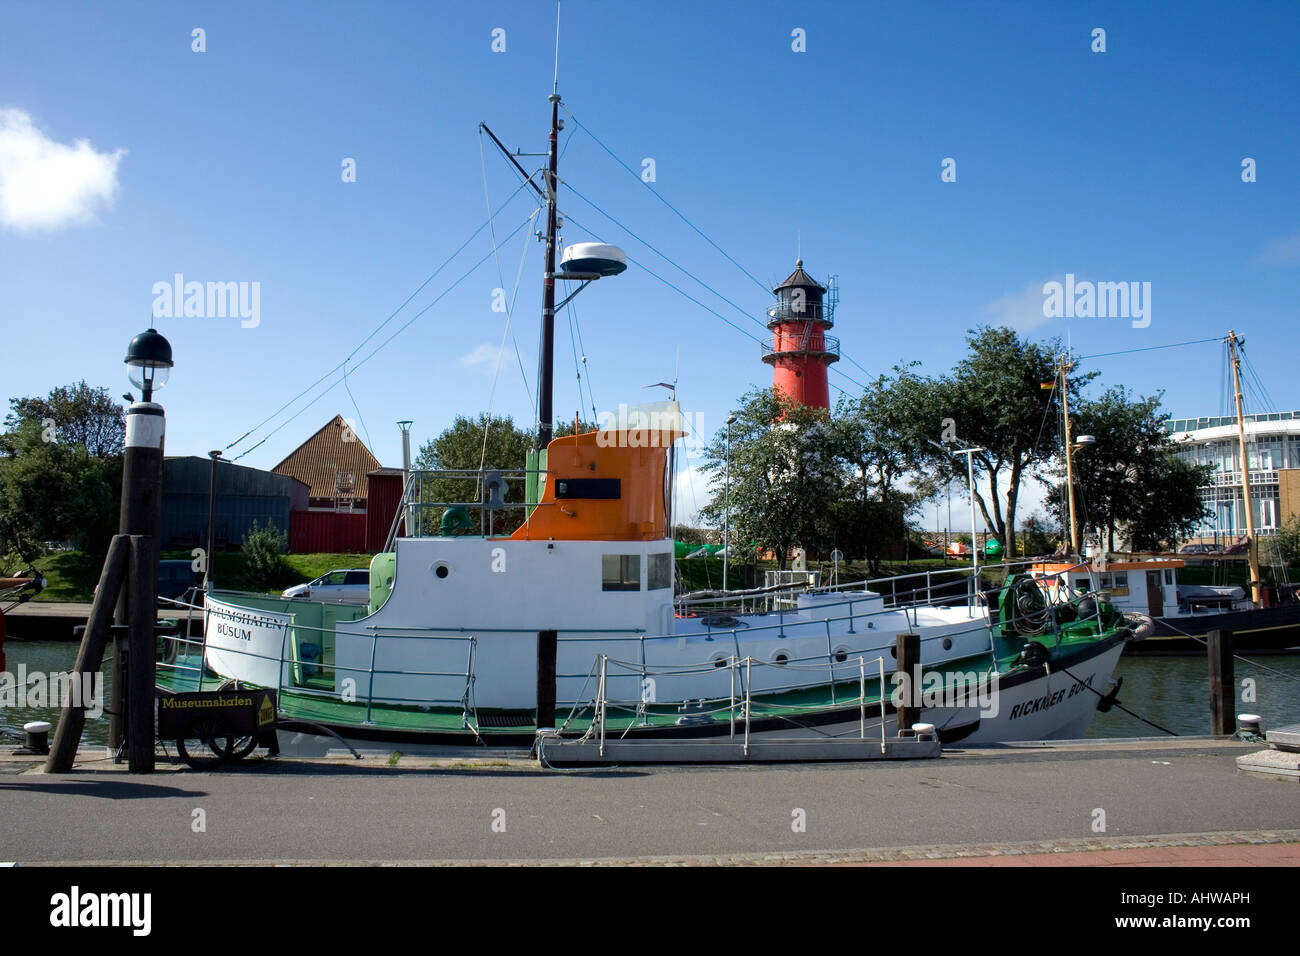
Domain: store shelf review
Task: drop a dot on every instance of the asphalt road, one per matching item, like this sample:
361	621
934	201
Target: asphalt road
335	811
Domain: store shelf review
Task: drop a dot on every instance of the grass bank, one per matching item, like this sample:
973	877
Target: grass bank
72	575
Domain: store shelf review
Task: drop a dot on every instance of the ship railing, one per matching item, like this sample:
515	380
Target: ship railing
739	704
291	661
937	586
298	664
837	652
413	508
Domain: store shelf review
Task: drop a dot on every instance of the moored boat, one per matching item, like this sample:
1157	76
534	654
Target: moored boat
1181	615
496	619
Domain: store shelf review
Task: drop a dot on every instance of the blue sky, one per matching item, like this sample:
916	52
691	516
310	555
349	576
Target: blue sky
225	166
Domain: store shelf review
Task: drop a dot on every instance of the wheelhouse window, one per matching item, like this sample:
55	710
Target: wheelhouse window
620	572
659	573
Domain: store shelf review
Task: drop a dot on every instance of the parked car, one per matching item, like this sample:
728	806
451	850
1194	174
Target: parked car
351	586
176	580
1197	549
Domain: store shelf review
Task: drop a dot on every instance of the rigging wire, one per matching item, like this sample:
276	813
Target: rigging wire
356	407
656	194
409	322
496	254
678	213
687	295
675	288
1149	348
701	282
446	262
661	255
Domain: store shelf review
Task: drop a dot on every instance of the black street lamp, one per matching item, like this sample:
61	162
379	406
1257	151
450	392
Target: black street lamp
149	357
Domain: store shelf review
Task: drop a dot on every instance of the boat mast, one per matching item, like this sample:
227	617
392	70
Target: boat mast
1233	341
546	358
1069	456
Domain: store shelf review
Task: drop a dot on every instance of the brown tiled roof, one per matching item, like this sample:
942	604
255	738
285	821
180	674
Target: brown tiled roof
326	454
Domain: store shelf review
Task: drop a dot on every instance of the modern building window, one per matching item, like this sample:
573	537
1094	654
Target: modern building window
659	573
620	572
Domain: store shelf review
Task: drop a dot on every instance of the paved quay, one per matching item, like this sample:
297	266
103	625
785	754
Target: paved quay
1161	802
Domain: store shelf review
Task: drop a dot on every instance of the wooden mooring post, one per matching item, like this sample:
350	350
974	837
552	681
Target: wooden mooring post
1222	690
907	651
90	656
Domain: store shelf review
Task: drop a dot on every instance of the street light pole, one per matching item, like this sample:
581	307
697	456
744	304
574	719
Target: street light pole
970	488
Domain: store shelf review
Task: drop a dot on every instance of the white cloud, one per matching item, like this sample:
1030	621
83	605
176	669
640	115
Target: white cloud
1021	310
1283	251
485	354
45	184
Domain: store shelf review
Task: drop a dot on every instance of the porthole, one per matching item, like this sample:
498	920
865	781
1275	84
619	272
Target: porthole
719	660
781	659
841	654
947	643
441	570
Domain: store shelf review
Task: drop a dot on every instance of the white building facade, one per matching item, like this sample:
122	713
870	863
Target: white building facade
1272	445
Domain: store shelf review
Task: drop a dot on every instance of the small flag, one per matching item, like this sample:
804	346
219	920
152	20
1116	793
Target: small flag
1047	385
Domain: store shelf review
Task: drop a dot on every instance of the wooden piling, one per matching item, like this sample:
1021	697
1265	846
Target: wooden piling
907	650
90	655
1222	691
141	659
547	646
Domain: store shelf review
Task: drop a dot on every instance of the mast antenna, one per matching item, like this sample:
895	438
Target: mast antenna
555	87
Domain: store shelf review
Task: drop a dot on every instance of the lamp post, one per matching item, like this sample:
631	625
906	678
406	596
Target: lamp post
149	361
726	505
970	488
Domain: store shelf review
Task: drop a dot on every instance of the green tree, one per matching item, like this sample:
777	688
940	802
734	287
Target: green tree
488	442
995	400
61	470
1129	478
784	474
876	442
74	415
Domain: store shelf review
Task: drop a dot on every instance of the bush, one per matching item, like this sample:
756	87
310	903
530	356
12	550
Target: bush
264	550
1285	545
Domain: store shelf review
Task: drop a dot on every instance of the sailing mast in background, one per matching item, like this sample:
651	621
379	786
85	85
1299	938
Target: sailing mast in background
1234	341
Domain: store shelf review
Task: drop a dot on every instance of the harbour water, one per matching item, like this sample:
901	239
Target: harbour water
1169	691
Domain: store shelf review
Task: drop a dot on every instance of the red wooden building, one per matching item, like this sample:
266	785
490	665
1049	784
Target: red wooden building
352	499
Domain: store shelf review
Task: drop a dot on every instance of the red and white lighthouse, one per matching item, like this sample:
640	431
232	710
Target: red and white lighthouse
800	350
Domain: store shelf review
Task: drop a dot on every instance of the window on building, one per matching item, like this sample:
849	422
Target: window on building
659	572
620	572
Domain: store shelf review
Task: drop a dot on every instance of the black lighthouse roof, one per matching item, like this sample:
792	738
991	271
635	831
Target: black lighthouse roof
800	280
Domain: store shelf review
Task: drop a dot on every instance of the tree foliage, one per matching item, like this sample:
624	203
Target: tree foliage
264	550
79	416
995	400
784	476
487	441
61	470
1129	480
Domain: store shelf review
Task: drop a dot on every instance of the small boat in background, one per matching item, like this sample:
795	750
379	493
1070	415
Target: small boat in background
1181	615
